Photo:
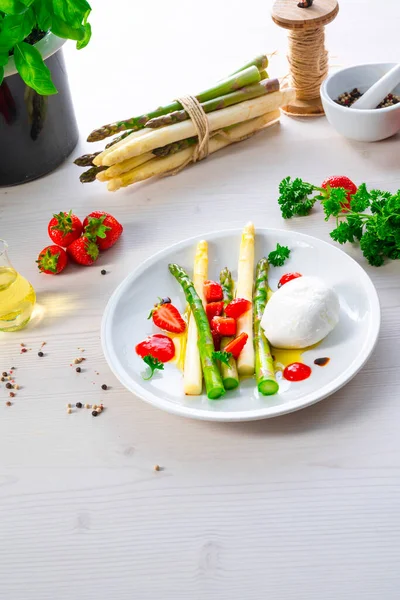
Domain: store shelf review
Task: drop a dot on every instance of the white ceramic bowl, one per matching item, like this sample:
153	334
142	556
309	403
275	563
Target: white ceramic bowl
356	124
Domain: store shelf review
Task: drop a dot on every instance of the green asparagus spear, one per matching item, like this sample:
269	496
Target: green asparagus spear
230	377
265	372
261	62
118	139
175	147
264	75
86	160
246	93
212	377
90	175
234	82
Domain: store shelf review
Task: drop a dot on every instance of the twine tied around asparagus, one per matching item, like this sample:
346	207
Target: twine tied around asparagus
200	121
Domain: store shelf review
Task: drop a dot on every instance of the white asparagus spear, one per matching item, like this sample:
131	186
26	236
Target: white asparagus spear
159	166
124	167
244	289
97	159
192	373
133	146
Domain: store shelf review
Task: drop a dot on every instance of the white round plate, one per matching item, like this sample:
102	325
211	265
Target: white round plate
350	344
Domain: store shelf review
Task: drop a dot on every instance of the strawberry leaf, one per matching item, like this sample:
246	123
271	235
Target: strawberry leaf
96	228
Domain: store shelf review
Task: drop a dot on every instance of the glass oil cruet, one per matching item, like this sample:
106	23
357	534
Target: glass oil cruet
17	296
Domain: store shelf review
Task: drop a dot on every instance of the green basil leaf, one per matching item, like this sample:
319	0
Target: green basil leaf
15	28
43	13
72	12
1	75
3	59
66	31
12	7
88	34
30	66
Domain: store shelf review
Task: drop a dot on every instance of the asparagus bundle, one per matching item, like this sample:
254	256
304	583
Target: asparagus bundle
161	166
146	140
165	139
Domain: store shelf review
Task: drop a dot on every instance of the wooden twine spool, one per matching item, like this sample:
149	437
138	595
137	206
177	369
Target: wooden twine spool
308	58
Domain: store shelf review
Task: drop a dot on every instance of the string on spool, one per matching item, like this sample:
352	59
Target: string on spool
307	56
308	61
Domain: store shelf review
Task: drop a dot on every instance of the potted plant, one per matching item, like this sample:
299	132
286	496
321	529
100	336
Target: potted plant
37	123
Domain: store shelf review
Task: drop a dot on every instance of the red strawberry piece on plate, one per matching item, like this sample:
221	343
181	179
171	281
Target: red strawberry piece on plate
341	181
224	326
102	228
168	317
52	260
83	251
288	277
236	346
213	291
158	345
214	309
237	308
64	228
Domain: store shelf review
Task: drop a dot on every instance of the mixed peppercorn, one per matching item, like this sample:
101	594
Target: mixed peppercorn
348	98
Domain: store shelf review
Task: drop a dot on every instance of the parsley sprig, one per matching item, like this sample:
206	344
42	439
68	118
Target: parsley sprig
154	364
278	256
373	219
223	357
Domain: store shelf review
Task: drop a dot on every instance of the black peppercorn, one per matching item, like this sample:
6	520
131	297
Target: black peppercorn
104	387
40	354
78	405
9	386
4	374
103	272
95	413
78	369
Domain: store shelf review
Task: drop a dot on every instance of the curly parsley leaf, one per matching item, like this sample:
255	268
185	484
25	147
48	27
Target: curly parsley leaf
154	364
278	256
296	198
223	357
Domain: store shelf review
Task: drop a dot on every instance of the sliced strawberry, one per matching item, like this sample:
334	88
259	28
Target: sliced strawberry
216	339
288	277
168	317
237	308
158	345
236	346
214	309
213	291
225	326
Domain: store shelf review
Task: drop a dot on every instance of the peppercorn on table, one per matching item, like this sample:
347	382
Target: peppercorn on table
135	503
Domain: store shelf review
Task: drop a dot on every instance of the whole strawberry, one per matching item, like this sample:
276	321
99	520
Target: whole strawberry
341	181
64	228
83	251
102	228
52	260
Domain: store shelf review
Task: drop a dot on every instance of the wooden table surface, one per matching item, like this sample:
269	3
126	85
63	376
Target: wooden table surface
301	507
